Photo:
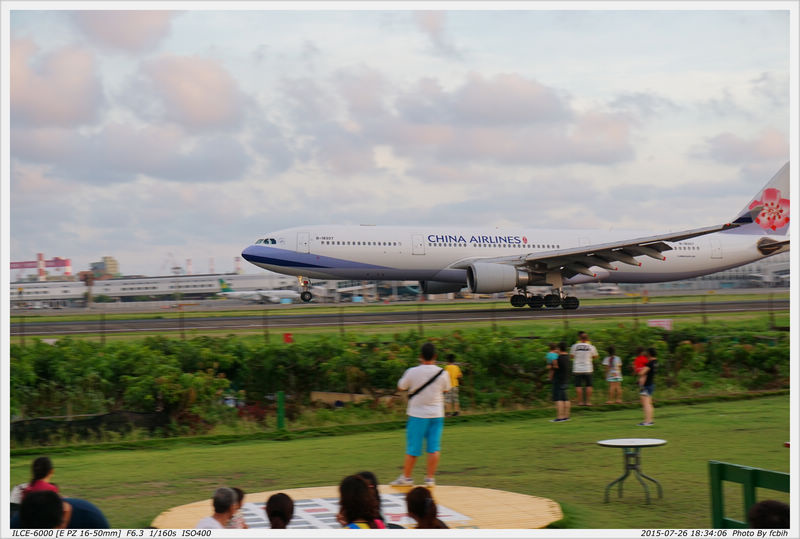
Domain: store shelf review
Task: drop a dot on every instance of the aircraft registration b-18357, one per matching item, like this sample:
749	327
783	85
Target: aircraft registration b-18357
259	296
503	260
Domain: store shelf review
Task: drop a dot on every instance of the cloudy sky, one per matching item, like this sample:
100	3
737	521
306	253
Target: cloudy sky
158	135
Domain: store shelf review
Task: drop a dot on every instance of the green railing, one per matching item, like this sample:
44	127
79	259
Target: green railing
750	479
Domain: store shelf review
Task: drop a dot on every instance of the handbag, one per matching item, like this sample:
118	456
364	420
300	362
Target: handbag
426	384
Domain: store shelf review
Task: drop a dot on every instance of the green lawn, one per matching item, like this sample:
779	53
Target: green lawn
532	456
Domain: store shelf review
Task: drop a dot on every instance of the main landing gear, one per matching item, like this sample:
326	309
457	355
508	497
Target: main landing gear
551	301
305	295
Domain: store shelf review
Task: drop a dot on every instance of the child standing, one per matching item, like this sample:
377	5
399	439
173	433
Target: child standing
613	365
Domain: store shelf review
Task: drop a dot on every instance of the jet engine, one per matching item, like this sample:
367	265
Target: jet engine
439	287
488	278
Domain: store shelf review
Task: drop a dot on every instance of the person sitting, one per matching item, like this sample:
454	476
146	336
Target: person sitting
42	471
768	514
224	501
237	520
45	509
422	508
280	510
372	481
358	507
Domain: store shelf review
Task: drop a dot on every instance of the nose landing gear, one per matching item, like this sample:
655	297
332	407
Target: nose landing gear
305	295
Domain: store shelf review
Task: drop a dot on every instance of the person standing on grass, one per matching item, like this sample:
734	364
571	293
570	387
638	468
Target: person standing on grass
451	398
560	376
42	472
646	387
426	384
613	365
583	353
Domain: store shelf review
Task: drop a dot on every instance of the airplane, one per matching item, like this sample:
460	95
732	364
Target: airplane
608	290
490	260
259	296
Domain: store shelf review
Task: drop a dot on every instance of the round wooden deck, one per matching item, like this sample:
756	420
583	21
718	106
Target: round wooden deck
459	507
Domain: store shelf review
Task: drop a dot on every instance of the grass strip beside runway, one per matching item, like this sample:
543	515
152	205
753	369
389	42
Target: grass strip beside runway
531	456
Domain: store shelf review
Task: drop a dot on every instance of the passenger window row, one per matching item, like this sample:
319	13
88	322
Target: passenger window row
499	246
364	243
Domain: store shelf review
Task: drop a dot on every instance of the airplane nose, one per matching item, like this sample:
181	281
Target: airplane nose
249	253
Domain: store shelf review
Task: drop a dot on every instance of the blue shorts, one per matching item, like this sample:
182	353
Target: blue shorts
423	428
647	391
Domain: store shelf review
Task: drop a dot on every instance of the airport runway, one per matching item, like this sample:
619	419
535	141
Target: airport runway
423	315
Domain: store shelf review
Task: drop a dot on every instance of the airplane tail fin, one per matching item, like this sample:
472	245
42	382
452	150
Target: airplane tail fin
224	286
768	212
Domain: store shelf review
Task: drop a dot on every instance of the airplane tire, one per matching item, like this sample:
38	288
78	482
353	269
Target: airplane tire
518	300
551	301
570	303
536	302
305	296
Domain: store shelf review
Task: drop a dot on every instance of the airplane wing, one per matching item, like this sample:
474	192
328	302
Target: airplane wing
604	255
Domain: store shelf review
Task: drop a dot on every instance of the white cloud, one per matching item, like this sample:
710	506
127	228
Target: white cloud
59	88
769	145
132	31
197	93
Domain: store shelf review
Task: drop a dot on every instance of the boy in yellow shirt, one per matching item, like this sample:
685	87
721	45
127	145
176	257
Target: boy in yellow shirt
451	397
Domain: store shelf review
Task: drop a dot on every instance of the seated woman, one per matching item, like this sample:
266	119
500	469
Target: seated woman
358	507
422	508
280	510
372	480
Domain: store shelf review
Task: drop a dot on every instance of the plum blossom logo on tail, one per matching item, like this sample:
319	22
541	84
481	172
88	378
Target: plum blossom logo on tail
772	211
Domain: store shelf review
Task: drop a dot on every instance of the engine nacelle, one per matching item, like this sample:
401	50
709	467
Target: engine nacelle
488	278
439	287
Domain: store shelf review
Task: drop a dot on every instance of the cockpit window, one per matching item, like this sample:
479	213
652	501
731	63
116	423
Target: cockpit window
266	241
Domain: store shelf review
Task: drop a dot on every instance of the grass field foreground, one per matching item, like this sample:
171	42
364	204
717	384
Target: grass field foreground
558	461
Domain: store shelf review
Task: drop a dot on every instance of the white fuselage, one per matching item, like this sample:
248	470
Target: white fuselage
428	254
273	296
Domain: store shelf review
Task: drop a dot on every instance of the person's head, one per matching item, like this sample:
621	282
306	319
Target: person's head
562	347
639	350
583	336
451	358
280	510
612	350
239	497
372	482
651	352
768	514
41	468
42	509
421	507
356	500
552	346
224	500
428	352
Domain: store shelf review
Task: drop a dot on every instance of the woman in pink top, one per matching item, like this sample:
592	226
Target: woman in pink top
42	472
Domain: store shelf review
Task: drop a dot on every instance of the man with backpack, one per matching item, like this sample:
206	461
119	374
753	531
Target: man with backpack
426	384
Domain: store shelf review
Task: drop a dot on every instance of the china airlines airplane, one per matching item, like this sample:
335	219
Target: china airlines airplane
488	260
